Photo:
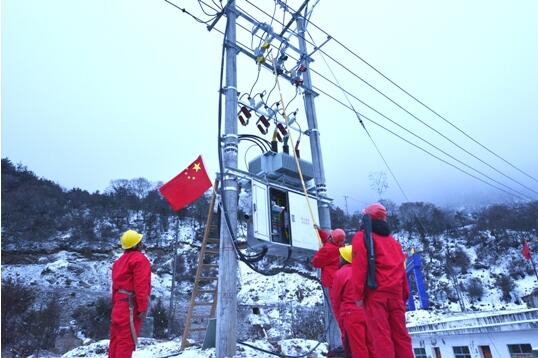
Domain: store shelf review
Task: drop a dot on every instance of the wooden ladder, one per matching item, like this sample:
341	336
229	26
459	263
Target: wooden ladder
206	274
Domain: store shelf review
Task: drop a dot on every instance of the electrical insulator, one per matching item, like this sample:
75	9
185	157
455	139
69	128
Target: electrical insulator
272	112
243	120
259	53
296	78
292	118
255	105
244	115
263	124
301	68
297	81
280	69
280	132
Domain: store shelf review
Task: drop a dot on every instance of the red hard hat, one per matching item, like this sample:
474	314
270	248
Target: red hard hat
339	236
376	211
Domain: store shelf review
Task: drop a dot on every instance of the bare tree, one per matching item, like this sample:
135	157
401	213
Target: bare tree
378	182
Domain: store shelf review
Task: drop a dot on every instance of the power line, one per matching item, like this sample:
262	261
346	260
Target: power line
205	12
396	103
413	144
417	100
368	133
519	193
197	19
428	125
392	132
345	92
432	110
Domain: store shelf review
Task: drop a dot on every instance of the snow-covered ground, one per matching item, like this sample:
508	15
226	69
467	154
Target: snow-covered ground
283	287
89	277
151	348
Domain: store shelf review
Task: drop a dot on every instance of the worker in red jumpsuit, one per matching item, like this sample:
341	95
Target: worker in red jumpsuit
131	287
384	305
351	317
328	259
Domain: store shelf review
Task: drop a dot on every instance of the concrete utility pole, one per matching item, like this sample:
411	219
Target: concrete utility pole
333	332
226	335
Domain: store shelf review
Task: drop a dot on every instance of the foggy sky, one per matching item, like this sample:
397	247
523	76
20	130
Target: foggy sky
102	90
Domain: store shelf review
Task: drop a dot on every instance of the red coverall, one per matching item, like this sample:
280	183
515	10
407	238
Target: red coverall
351	317
327	259
385	306
131	272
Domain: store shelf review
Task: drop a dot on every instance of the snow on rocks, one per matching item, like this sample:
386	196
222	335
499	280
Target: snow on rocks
271	290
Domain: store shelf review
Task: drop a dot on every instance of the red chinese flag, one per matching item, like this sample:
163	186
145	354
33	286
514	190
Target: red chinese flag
526	250
187	186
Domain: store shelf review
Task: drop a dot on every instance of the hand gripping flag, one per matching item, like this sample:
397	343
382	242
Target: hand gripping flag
526	250
187	186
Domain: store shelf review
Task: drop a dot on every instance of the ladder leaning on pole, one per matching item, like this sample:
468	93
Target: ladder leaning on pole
203	302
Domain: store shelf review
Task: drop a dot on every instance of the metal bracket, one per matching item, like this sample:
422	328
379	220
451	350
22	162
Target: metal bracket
230	45
219	15
329	38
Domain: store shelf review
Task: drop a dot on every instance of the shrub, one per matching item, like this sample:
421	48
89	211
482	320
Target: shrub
308	323
47	324
474	288
459	258
94	318
506	285
37	329
16	302
160	320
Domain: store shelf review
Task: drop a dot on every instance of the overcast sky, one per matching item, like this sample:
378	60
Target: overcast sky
102	90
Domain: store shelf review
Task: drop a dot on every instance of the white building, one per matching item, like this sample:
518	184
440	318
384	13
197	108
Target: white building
499	334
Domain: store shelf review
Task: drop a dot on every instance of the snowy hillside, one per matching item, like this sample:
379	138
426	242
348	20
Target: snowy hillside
58	248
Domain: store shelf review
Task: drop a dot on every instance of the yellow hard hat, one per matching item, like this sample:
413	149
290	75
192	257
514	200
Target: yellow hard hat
345	252
130	239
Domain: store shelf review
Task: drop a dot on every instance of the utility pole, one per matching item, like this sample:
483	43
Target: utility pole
333	332
226	327
172	308
347	210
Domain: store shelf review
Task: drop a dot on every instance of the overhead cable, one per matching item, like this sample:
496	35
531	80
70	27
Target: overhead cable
405	110
197	19
423	104
346	93
413	144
